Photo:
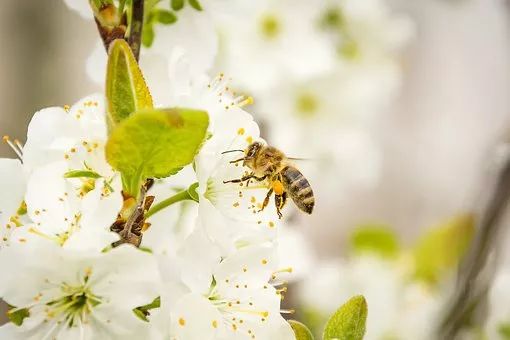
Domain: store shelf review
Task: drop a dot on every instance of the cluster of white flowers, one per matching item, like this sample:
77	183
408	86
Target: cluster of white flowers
208	269
211	266
325	68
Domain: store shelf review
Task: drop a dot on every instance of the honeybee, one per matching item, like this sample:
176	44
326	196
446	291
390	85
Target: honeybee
267	162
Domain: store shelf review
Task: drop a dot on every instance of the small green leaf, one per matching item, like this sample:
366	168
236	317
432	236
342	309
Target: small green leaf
16	316
126	90
348	322
143	312
148	34
155	144
376	239
195	4
504	331
164	17
300	330
442	247
140	315
192	191
177	4
81	174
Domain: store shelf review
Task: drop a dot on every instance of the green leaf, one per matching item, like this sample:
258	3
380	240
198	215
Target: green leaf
148	34
164	17
16	316
126	90
195	4
504	330
442	247
177	4
348	322
143	312
300	330
192	191
376	239
81	174
314	318
155	144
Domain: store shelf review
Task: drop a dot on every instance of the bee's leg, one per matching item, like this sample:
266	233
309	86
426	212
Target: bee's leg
239	180
246	178
237	160
266	200
279	201
258	179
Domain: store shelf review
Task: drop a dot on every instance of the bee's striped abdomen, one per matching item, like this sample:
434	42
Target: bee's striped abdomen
298	188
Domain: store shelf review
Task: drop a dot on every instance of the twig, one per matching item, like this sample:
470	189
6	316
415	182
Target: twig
474	277
112	25
136	27
130	231
108	35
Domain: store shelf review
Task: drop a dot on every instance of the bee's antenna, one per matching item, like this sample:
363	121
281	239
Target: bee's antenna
224	152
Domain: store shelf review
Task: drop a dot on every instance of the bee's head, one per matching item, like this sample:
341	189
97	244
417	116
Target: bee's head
252	150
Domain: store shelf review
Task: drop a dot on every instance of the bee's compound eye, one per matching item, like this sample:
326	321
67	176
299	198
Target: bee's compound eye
252	149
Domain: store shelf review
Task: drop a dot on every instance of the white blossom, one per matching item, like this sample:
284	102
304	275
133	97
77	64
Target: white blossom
77	295
238	302
229	212
60	142
270	42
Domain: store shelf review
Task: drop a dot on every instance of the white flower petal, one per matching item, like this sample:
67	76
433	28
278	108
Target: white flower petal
194	318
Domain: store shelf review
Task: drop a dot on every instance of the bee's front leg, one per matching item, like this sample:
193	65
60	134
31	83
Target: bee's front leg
246	178
258	179
239	180
237	161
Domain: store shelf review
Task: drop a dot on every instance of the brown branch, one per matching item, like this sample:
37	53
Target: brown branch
130	231
136	27
113	25
110	34
475	276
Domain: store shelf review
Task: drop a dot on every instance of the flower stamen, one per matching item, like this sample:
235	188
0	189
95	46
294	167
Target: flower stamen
15	146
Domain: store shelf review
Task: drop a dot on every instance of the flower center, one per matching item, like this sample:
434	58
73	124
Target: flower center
75	304
306	105
270	26
333	20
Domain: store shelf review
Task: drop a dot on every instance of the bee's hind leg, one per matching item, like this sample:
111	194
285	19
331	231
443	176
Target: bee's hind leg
266	200
279	202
